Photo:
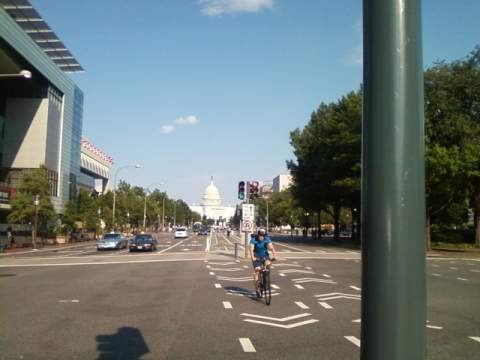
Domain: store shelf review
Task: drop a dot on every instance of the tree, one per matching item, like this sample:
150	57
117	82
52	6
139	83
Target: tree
453	135
35	182
82	209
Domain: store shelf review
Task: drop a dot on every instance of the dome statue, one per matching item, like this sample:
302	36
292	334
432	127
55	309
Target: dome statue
211	196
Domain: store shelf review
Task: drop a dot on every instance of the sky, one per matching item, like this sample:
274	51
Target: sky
191	89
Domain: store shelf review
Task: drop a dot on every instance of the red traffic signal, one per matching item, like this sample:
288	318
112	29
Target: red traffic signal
254	188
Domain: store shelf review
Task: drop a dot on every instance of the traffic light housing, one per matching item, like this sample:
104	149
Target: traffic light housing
241	190
254	188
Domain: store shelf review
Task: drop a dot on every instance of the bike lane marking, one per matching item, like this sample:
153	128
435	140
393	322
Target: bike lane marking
353	340
301	305
227	305
247	345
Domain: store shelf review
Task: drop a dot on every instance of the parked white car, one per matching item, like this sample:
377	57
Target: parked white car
181	232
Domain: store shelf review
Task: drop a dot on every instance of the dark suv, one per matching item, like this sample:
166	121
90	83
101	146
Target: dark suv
143	242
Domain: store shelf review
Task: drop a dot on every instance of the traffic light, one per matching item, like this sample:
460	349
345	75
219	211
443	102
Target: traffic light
241	190
253	189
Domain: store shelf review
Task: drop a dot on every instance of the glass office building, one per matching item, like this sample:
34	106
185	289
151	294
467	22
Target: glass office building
41	114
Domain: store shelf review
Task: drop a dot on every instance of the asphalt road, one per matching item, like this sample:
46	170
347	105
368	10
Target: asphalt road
182	302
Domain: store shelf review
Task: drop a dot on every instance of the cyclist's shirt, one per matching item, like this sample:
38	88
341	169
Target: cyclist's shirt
260	247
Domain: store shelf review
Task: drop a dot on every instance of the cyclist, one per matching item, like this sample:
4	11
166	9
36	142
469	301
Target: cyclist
259	246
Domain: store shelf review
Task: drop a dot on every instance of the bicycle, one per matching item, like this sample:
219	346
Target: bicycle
264	284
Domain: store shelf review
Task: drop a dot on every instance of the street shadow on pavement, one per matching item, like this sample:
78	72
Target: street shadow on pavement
126	344
235	290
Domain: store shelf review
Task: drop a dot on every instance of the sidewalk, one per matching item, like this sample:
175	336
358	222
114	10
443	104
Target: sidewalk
45	248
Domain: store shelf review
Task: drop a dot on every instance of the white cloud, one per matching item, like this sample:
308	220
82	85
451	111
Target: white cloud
219	7
167	129
187	120
355	57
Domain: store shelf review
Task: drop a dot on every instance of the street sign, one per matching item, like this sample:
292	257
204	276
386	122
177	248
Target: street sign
247	225
248	212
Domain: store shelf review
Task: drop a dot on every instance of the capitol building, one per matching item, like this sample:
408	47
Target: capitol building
211	206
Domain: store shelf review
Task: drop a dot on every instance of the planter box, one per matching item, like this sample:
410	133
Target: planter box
61	240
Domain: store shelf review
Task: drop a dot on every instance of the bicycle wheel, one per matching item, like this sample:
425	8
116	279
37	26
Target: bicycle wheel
267	288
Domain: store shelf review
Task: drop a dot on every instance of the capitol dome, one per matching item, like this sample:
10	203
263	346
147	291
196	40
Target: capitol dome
211	196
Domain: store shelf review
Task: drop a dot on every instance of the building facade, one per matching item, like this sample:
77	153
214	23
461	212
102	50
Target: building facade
211	207
282	182
41	114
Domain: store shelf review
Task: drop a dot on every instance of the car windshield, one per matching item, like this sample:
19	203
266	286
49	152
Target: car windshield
181	229
143	238
110	237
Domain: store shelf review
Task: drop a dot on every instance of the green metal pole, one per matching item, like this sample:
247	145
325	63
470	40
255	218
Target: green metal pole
393	183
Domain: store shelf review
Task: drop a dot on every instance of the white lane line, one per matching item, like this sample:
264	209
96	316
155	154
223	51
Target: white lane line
435	274
299	287
327	276
435	327
171	247
275	286
325	305
290	247
475	271
475	338
435	265
282	274
308	268
353	340
357	320
69	301
355	288
462	279
227	305
245	266
453	268
247	345
218	286
208	266
301	305
211	273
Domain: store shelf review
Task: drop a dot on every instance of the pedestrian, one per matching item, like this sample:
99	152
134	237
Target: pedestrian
10	238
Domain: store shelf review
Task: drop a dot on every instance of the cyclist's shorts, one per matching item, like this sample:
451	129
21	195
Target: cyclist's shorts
259	262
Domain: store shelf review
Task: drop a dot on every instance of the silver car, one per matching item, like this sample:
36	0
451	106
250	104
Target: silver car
112	241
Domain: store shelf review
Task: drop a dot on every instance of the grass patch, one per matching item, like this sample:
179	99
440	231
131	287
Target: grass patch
457	246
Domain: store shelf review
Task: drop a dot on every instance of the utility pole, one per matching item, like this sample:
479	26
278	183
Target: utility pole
163	213
393	183
36	203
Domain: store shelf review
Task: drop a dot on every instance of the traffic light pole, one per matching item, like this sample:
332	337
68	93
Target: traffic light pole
247	234
393	183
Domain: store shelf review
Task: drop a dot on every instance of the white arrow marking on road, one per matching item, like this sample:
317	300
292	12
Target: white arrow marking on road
241	279
227	305
247	345
307	280
218	286
355	288
288	318
462	279
337	295
474	338
325	305
233	269
327	276
301	305
288	271
353	340
299	287
291	326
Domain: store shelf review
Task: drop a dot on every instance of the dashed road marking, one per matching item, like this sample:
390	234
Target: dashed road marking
453	268
211	273
308	268
353	340
355	288
247	345
435	327
325	305
69	301
475	271
475	338
218	286
301	305
435	265
435	274
327	276
275	286
357	320
462	279
282	274
227	305
299	287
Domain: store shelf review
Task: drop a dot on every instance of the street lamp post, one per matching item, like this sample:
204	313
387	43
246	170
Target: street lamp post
36	203
163	213
115	190
147	190
23	73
